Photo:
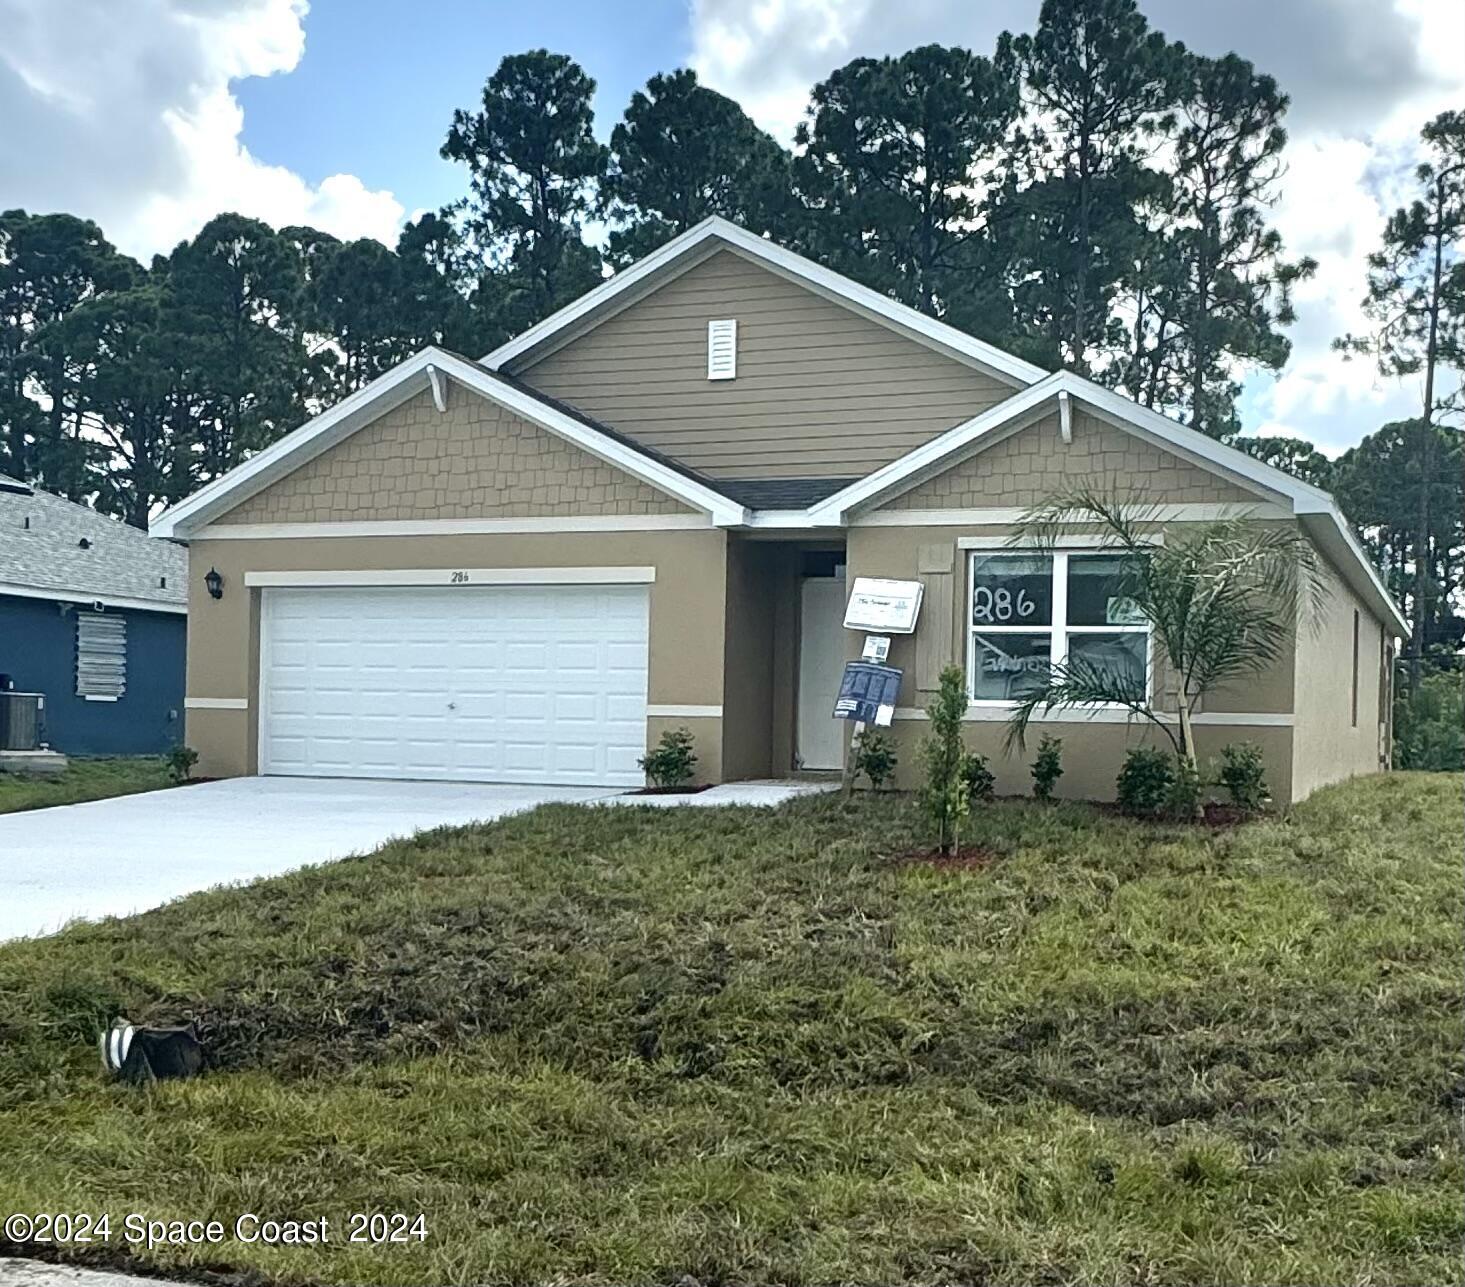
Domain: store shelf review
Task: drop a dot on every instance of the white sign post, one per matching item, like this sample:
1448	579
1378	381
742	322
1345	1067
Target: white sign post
884	607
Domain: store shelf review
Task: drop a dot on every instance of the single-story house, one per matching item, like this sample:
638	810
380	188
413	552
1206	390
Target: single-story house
645	512
94	619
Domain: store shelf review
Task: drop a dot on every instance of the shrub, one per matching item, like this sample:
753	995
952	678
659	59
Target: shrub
1145	780
1047	766
875	757
1182	800
979	779
1242	774
1429	724
944	796
181	760
672	762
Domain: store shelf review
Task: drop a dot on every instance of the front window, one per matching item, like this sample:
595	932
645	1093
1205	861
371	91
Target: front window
1030	612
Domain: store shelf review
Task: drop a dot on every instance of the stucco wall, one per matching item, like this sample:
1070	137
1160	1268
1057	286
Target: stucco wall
476	460
686	623
1093	750
1034	464
38	652
820	391
1329	745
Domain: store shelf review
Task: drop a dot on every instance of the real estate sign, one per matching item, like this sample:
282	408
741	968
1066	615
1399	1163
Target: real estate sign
883	606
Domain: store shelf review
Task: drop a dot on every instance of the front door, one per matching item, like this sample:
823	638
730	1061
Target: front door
821	663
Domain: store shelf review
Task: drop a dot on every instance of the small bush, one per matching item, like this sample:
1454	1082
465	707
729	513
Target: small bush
944	796
978	779
1145	781
1047	767
672	762
875	757
181	760
1242	773
1182	800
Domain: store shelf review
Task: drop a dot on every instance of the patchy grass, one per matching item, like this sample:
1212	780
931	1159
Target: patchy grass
83	779
623	1045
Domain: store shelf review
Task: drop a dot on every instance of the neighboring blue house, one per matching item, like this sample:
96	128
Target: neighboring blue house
93	615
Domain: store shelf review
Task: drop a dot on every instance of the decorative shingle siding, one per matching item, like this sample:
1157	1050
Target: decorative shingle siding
476	460
1034	464
821	391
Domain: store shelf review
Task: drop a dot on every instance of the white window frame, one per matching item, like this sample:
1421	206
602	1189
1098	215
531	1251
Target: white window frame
1058	629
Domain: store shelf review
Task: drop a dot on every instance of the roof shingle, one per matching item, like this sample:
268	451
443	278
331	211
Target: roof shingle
50	543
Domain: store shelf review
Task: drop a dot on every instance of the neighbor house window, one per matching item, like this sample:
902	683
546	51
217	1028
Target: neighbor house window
101	656
1030	612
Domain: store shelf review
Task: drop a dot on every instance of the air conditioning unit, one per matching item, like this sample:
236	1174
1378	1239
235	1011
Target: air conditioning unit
21	721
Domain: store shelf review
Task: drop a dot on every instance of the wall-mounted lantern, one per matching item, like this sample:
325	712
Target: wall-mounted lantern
215	584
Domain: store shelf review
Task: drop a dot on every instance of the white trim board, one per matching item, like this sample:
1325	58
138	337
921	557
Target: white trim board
452	578
216	703
1079	541
1009	516
675	711
392	389
106	600
714	234
992	425
553	524
1112	715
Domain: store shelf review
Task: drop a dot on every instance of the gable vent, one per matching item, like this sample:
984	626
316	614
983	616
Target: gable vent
722	349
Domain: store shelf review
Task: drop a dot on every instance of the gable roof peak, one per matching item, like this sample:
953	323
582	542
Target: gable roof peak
713	233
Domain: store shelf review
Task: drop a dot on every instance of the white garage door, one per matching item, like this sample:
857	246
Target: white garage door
482	683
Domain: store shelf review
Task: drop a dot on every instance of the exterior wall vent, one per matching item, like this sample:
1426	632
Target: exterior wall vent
722	349
101	656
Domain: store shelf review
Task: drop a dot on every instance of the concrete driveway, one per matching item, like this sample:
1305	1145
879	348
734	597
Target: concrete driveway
112	857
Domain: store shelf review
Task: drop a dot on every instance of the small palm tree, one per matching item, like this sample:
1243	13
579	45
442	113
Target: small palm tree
1222	599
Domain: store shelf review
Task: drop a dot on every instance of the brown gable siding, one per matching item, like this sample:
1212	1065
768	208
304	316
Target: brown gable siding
820	391
1034	464
476	460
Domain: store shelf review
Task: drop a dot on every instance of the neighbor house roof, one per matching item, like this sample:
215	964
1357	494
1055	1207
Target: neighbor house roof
52	548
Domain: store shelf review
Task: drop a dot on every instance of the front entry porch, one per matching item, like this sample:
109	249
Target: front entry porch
785	648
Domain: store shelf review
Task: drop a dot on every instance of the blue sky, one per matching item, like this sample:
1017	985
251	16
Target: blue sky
385	127
151	116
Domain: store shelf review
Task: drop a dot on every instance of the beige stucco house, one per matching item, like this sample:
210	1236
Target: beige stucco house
645	512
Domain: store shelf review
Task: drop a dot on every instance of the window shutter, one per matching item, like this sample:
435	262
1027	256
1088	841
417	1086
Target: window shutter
722	349
101	655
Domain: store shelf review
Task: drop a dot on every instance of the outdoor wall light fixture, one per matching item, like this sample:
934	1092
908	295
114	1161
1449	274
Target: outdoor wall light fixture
215	584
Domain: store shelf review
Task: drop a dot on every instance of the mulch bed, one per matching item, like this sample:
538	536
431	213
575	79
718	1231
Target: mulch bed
971	858
1218	817
676	790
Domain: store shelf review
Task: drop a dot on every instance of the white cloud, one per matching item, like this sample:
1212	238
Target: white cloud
123	113
1363	80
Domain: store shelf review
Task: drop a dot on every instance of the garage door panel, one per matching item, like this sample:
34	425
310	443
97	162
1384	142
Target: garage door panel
514	684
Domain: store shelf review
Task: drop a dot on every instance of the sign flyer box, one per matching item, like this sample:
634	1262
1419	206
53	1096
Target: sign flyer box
868	693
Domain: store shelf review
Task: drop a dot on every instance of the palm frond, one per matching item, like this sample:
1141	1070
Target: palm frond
1082	683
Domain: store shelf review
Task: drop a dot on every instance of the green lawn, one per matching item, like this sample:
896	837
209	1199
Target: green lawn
81	780
623	1045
